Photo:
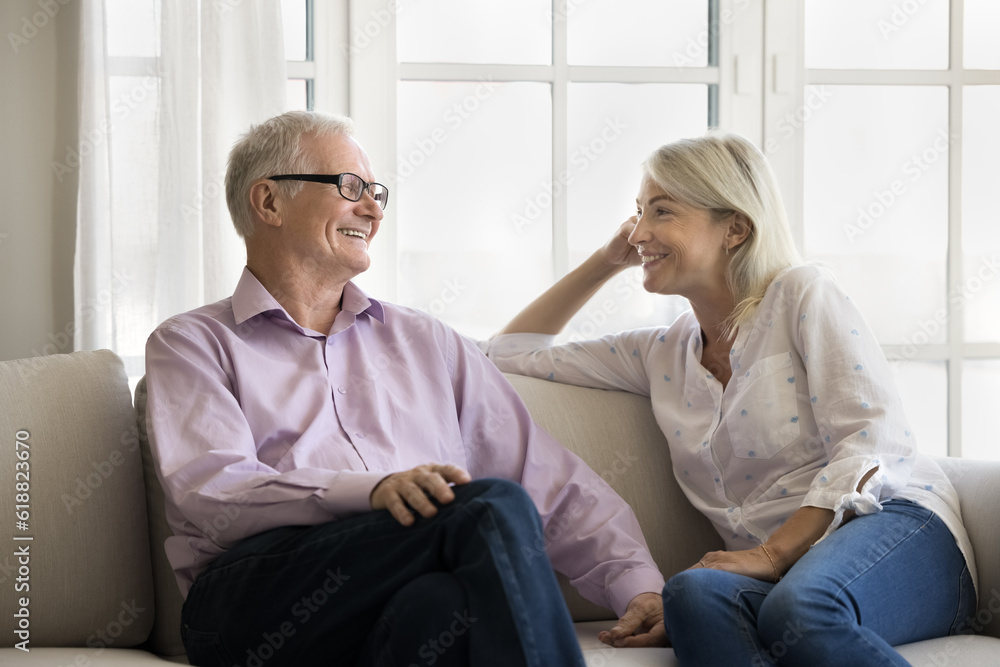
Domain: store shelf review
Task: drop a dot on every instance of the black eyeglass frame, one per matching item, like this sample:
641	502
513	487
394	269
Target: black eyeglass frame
335	179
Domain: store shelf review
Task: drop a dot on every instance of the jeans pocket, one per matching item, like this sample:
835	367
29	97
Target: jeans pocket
205	649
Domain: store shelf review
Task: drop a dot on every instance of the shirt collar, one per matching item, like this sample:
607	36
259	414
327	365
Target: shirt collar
251	298
356	301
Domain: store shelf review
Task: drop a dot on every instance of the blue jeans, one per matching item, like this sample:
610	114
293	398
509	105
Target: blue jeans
880	580
466	586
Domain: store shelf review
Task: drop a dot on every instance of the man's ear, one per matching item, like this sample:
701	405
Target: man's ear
739	230
264	202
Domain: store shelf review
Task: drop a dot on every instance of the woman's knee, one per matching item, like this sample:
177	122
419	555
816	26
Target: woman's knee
682	589
710	615
699	594
790	613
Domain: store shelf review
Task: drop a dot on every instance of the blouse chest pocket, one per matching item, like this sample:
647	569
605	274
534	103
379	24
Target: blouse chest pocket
763	416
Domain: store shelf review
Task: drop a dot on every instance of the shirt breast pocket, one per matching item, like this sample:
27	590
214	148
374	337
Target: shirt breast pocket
764	415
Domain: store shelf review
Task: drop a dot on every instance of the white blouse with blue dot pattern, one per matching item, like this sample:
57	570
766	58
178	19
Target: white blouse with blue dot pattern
811	408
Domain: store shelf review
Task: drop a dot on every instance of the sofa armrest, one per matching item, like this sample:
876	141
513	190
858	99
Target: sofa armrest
978	486
84	548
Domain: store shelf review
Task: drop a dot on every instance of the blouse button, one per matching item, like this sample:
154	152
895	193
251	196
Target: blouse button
342	390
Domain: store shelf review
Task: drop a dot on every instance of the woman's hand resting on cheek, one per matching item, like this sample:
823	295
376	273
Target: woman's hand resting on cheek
618	251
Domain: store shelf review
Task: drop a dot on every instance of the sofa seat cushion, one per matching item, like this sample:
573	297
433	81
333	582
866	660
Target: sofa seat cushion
958	651
82	657
598	654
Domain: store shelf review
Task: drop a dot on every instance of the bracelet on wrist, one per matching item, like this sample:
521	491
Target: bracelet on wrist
777	577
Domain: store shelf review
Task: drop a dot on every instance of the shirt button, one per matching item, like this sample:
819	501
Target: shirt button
342	390
360	435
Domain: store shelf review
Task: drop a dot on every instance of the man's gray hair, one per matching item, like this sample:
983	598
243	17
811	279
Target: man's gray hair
271	148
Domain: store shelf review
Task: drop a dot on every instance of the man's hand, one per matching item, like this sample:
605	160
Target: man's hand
401	491
642	624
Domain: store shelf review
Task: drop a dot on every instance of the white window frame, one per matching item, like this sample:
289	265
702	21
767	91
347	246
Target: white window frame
325	68
760	77
375	73
785	81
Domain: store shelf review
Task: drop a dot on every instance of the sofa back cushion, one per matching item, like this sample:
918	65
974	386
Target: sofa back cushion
165	638
616	435
86	575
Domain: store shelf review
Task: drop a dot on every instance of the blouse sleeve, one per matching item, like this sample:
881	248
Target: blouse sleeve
616	361
857	408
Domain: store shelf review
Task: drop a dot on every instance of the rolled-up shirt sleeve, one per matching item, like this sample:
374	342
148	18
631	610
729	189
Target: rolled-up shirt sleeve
207	459
590	534
855	403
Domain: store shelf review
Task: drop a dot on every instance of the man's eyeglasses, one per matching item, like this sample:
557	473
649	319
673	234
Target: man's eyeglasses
350	186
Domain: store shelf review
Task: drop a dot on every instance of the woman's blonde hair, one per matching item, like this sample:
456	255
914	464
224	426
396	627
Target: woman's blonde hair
726	174
271	148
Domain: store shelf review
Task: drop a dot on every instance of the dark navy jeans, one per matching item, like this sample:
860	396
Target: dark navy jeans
465	587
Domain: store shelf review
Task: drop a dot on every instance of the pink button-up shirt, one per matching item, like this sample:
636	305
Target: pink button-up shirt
255	422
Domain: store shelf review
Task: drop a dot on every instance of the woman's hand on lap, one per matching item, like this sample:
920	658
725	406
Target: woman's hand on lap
752	563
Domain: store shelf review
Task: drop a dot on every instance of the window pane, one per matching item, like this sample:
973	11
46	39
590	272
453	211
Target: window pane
638	32
982	25
296	98
923	387
131	26
471	154
135	212
293	21
876	203
980	388
877	34
979	293
613	127
458	31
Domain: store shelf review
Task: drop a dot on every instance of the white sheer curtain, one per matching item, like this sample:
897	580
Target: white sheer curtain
166	86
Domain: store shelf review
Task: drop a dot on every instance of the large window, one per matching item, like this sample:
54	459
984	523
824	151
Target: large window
510	134
898	173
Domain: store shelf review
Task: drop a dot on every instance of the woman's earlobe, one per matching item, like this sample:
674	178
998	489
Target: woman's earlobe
740	229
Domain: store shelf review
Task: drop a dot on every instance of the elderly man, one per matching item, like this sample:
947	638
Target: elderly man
352	482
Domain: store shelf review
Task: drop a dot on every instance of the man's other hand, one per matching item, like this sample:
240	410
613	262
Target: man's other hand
642	624
403	492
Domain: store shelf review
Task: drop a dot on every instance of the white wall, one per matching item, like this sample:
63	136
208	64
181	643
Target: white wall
38	111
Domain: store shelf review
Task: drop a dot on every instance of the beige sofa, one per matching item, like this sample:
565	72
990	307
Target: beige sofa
100	592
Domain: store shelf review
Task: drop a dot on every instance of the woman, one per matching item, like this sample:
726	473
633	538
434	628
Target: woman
783	422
